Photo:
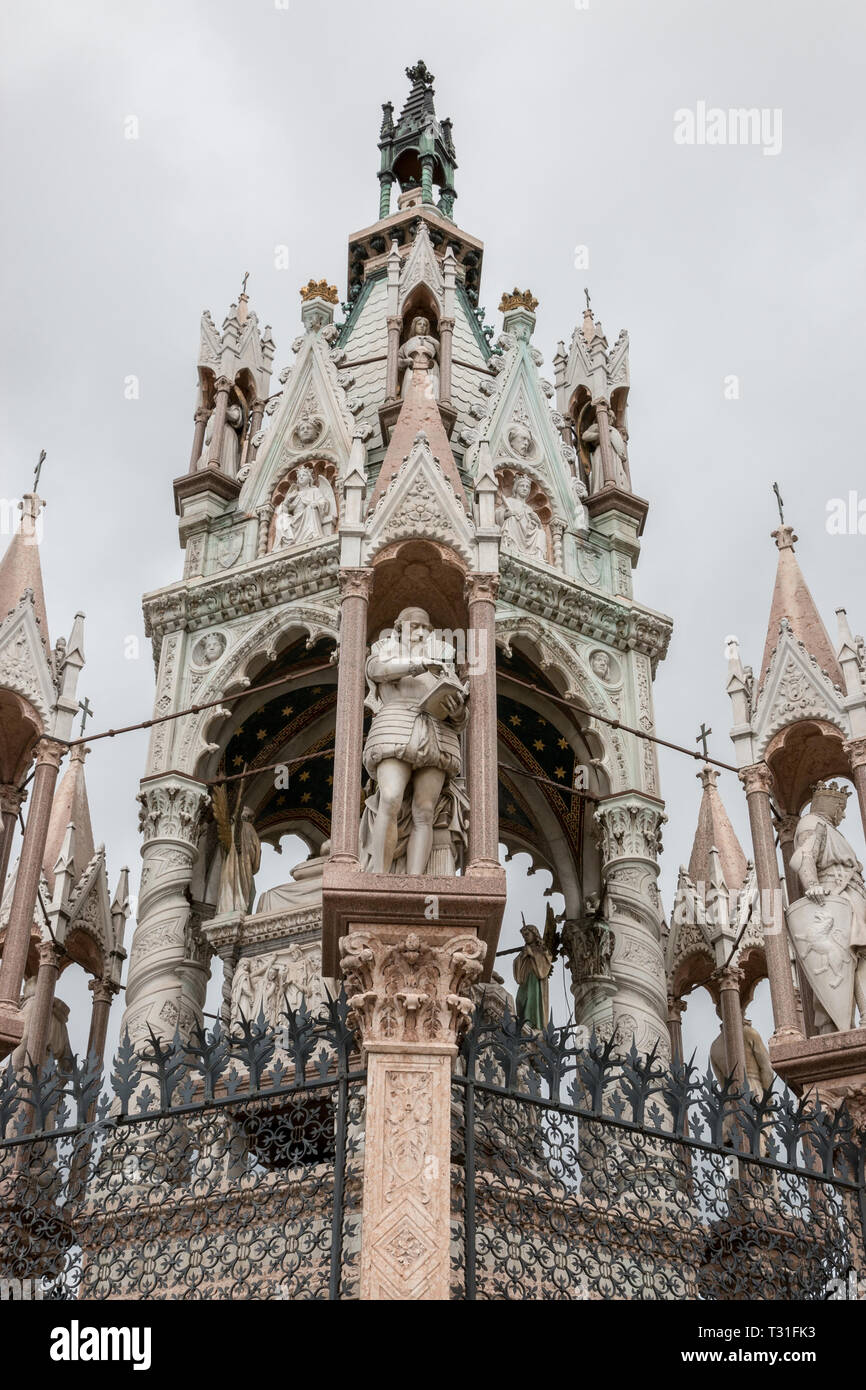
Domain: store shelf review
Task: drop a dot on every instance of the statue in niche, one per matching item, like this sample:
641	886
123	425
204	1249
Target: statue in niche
230	445
533	967
247	987
828	924
759	1070
415	820
578	496
522	531
308	511
305	890
620	457
241	851
420	349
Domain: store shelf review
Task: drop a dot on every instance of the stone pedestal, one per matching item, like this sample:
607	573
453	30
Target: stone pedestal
409	993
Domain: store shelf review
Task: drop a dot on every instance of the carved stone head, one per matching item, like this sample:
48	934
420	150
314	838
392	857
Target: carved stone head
600	663
420	327
522	486
520	440
305	476
307	430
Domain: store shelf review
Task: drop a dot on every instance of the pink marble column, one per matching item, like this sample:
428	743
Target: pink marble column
355	587
20	925
483	773
856	751
446	351
392	386
256	418
602	416
50	958
10	804
201	419
223	387
758	782
676	1009
786	827
732	1022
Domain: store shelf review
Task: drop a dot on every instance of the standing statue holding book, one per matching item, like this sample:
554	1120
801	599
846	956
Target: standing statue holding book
416	813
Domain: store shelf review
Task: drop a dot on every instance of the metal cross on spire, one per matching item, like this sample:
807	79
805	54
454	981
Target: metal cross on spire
86	711
588	300
780	504
244	285
37	472
702	738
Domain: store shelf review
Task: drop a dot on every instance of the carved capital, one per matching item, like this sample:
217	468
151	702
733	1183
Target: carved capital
202	415
786	827
223	384
757	778
856	750
629	830
730	978
50	953
11	799
172	812
480	588
49	751
356	583
408	987
103	991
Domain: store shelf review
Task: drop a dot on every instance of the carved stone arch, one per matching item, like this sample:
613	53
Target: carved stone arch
241	665
692	971
802	753
21	725
558	860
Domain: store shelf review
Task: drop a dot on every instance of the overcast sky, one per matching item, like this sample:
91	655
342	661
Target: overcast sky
257	126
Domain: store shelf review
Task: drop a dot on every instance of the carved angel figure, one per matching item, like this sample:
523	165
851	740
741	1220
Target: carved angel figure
522	531
241	852
308	511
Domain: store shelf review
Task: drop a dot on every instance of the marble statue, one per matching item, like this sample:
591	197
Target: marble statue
620	457
600	663
522	531
581	515
420	350
308	511
532	969
305	890
241	853
412	751
230	445
247	987
828	924
759	1071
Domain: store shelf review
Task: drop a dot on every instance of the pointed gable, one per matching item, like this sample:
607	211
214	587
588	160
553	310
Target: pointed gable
419	414
20	569
715	832
793	601
70	807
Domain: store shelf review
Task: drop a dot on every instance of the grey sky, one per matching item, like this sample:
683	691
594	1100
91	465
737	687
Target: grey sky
258	126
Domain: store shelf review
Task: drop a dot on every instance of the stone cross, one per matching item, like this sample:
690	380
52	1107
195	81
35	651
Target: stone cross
702	738
86	711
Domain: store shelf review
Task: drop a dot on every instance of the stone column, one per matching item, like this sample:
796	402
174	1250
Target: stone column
602	415
10	804
676	1009
20	925
256	416
786	827
103	995
446	354
39	1023
385	181
223	387
264	513
758	782
731	1010
355	586
856	750
427	178
483	779
201	419
156	993
409	996
629	833
392	384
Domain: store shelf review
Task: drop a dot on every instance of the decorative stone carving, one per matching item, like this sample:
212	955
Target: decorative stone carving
209	648
629	830
308	511
171	812
522	530
411	986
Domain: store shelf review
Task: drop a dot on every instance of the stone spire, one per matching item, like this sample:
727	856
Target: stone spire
419	150
70	807
20	569
792	600
715	832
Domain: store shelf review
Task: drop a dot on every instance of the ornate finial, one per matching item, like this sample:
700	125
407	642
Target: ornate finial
518	299
38	471
779	503
420	73
702	738
320	289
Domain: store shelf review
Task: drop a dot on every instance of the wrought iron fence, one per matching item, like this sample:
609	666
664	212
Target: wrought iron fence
223	1167
580	1174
